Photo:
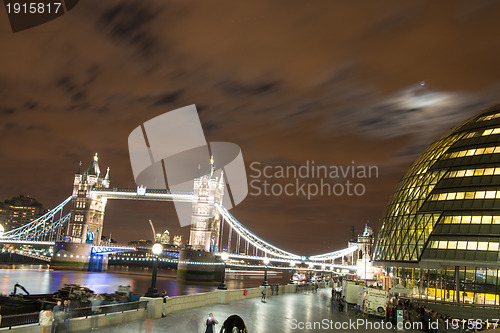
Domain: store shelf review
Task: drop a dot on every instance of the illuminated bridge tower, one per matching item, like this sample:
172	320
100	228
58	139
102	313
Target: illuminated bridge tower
205	222
84	228
205	228
87	212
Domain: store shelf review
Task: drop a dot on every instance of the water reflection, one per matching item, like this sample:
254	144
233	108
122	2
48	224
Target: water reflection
38	279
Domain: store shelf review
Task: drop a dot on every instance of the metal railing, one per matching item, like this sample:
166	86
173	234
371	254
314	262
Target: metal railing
85	312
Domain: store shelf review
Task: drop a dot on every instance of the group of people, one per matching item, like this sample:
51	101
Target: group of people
338	301
57	319
417	313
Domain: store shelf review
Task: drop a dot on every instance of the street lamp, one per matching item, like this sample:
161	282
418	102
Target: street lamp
266	262
152	291
222	285
292	264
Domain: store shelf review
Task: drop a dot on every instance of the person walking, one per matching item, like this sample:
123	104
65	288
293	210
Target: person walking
58	317
45	320
264	294
211	322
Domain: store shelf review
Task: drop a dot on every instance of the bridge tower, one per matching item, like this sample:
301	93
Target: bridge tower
205	222
87	212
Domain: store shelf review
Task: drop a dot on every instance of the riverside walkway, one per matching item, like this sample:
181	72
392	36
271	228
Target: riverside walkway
286	313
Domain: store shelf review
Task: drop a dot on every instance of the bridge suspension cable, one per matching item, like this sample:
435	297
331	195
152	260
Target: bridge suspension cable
253	239
46	225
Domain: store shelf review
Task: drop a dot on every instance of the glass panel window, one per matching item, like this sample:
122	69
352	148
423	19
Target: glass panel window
460	195
443	245
451	196
456	219
469	195
472	246
493	247
476	219
480	195
452	245
466	219
490	194
487	219
482	246
461	245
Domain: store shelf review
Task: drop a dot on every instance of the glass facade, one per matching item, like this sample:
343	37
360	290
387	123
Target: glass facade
445	213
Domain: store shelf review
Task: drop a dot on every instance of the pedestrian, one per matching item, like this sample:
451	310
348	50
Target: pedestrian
95	302
264	294
211	322
45	319
58	317
277	289
164	308
67	313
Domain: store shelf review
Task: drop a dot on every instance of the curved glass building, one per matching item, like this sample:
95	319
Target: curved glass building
441	226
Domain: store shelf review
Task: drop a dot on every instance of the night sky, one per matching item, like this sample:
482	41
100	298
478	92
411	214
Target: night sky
374	82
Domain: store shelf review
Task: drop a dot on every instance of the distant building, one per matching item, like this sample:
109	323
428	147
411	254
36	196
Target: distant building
163	238
177	240
440	234
18	211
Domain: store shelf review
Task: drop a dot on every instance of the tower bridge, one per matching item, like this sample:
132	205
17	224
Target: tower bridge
76	235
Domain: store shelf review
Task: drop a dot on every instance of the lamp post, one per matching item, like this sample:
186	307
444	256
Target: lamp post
152	291
292	264
266	262
222	284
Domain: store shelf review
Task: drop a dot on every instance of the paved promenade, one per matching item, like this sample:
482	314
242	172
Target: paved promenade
283	313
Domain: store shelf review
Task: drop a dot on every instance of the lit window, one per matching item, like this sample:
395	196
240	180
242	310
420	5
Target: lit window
466	219
482	246
469	195
478	172
469	173
462	153
476	219
489	171
490	194
480	195
487	132
460	195
443	245
452	245
471	152
496	131
489	150
461	245
493	247
487	219
442	196
496	219
456	219
472	246
451	196
479	151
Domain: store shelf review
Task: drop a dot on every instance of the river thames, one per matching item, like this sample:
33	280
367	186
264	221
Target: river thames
38	279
